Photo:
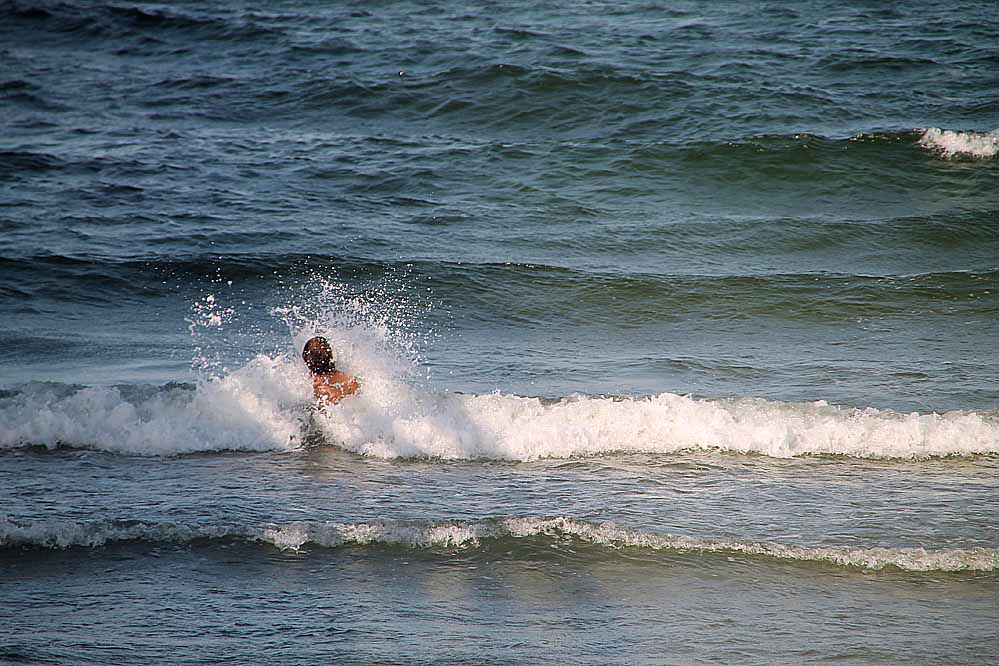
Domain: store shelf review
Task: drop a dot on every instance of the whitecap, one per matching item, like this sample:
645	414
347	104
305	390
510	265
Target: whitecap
470	535
951	143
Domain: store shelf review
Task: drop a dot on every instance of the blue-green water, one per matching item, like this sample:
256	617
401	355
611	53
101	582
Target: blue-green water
675	325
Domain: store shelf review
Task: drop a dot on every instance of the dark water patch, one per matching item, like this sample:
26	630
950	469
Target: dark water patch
33	102
18	162
566	51
981	56
33	123
25	164
110	280
780	12
520	33
57	389
784	144
150	29
27	95
25	11
812	170
540	293
18	297
501	94
973	232
197	82
77	279
16	654
533	292
333	46
713	246
692	30
944	45
604	82
15	85
989	106
56	17
860	59
120	189
220	236
441	218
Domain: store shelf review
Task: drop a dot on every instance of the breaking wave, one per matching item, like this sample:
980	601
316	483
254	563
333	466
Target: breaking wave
952	144
491	534
253	409
266	406
521	429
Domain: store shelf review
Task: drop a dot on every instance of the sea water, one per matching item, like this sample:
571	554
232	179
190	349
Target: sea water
675	326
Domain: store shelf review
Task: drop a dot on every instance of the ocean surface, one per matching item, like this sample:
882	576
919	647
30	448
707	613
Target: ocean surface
676	326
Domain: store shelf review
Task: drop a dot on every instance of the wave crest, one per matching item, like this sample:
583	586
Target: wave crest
506	427
265	406
253	409
954	144
491	534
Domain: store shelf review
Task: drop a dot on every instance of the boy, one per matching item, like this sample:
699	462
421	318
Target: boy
329	384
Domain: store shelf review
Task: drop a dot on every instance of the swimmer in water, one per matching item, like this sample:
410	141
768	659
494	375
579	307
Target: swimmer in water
329	384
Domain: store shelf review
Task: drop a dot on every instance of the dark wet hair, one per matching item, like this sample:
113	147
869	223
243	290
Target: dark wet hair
318	356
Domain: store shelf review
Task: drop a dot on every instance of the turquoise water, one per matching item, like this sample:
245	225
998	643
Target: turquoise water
675	326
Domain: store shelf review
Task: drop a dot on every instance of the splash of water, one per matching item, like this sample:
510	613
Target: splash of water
266	404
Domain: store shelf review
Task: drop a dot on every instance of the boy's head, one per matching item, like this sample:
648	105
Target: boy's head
318	355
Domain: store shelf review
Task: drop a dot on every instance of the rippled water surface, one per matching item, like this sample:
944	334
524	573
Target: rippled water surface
675	326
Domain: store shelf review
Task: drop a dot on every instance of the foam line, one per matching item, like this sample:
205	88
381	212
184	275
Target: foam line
473	535
515	428
265	406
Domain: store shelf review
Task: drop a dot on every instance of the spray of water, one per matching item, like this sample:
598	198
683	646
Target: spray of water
378	334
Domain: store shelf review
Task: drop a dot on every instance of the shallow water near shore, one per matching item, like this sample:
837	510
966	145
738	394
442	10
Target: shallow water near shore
675	327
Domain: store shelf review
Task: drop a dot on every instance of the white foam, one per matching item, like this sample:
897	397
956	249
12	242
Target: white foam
263	406
95	534
950	143
258	407
266	404
908	559
508	427
331	535
463	535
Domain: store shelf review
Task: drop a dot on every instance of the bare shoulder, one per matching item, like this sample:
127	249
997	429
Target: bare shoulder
343	379
331	387
349	383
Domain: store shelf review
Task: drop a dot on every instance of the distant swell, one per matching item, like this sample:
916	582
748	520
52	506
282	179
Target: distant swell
122	22
500	535
586	294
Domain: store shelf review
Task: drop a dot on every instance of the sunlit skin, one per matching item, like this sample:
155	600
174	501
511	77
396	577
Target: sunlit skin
332	387
329	385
